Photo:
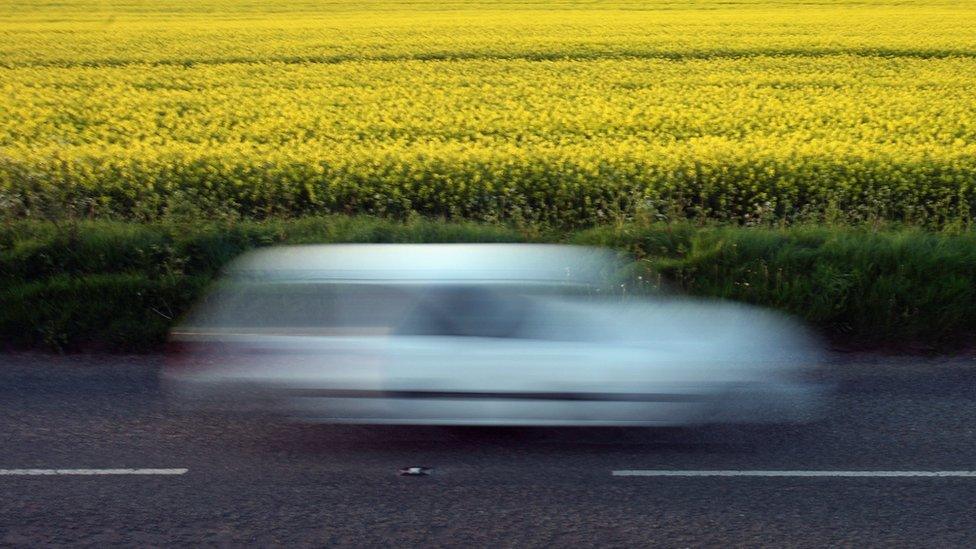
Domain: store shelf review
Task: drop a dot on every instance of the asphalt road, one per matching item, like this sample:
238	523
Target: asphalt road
257	482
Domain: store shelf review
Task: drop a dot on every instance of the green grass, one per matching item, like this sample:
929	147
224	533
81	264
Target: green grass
875	288
120	286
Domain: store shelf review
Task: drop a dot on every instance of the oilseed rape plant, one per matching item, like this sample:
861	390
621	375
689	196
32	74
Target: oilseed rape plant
562	113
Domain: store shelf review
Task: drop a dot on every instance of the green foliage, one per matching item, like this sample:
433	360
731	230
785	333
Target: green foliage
899	285
105	311
121	285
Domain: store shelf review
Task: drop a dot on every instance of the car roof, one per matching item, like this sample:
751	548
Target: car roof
428	263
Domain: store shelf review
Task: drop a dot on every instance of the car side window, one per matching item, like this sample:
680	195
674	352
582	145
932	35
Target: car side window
466	311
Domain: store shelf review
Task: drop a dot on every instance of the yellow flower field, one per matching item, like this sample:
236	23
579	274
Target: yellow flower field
555	112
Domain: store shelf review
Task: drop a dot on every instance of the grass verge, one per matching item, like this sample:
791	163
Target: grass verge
119	286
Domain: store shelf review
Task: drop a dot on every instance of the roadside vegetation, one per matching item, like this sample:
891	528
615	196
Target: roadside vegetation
817	157
120	286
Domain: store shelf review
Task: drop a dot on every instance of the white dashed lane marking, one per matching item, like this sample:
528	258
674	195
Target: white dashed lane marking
834	474
44	472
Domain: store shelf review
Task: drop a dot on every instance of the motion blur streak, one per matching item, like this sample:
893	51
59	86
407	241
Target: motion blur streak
486	334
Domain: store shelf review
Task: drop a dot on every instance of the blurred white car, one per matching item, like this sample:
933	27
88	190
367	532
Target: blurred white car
481	334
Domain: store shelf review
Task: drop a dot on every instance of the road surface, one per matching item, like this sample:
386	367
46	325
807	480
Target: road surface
234	481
